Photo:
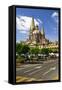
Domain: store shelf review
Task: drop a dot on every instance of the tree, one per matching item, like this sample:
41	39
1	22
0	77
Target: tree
34	50
45	51
55	50
50	50
25	49
34	53
18	48
21	49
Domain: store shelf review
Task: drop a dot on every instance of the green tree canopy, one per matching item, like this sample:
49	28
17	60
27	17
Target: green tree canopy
25	49
18	48
22	49
34	50
45	51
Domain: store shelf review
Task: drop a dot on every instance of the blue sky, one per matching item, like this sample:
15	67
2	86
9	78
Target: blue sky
42	17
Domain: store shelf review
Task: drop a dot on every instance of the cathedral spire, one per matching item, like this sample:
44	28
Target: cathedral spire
43	32
32	27
32	24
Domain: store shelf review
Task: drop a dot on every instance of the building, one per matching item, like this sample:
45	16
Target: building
36	36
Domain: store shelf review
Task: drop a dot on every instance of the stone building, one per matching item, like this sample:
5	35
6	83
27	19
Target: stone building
36	36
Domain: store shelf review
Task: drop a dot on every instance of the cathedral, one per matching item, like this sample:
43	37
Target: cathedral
36	36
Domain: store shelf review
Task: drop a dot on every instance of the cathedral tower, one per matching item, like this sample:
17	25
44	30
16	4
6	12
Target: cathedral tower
32	27
43	32
32	24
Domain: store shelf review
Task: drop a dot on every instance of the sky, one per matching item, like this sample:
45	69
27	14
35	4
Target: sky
47	19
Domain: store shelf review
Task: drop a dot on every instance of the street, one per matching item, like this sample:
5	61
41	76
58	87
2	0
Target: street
38	72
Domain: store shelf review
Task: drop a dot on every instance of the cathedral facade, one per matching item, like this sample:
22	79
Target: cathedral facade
36	36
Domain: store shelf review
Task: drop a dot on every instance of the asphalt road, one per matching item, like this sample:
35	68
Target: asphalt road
38	72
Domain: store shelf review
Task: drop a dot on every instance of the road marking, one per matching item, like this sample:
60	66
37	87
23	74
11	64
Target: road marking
38	67
24	79
34	72
29	70
33	65
17	69
51	69
21	68
31	79
33	69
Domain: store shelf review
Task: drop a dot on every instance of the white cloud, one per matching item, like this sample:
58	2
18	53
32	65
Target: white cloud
40	21
55	17
23	31
55	14
23	23
36	22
